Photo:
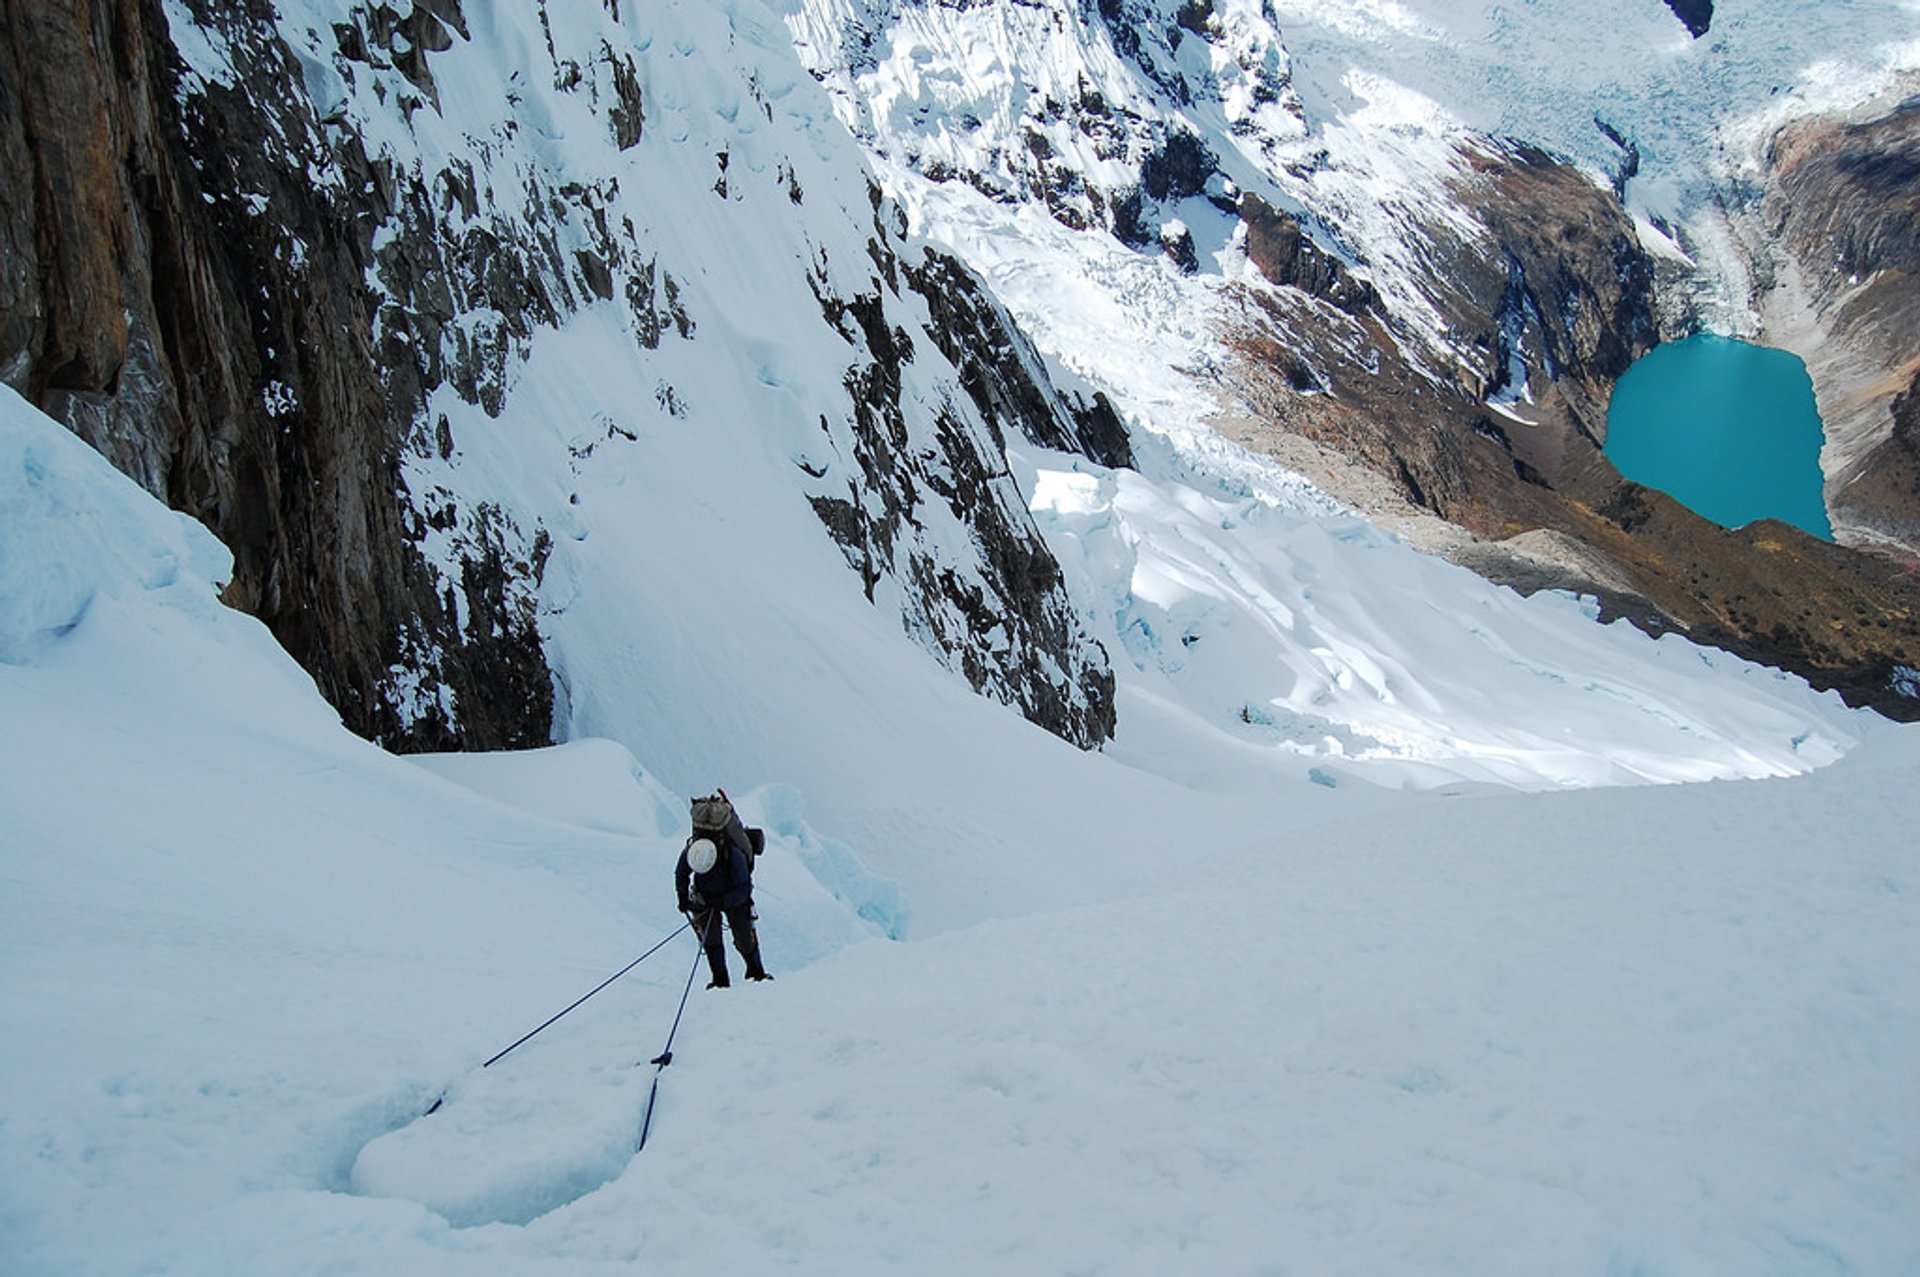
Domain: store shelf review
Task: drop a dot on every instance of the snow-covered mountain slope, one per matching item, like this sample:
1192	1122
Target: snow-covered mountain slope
691	394
1285	1026
1285	638
1108	111
1408	247
331	247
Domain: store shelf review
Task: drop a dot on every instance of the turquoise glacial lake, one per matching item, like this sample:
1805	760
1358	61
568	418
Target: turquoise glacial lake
1726	428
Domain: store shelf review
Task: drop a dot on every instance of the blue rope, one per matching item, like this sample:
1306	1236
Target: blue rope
595	989
665	1057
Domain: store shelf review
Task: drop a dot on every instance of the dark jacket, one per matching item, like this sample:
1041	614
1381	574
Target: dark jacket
728	885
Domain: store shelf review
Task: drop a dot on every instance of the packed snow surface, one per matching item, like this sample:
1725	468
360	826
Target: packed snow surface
1377	941
1249	1023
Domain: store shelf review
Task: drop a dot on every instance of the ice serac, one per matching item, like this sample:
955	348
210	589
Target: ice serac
293	268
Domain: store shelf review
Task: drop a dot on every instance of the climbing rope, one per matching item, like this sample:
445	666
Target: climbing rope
665	1057
595	989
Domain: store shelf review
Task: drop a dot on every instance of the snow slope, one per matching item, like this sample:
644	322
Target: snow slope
1291	1027
1352	115
1301	974
675	482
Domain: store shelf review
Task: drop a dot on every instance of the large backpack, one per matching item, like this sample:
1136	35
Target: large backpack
713	815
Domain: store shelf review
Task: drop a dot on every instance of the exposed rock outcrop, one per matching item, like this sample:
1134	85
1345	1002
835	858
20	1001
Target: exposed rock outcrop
1002	372
999	614
249	275
1841	208
1544	312
1281	250
1696	15
227	360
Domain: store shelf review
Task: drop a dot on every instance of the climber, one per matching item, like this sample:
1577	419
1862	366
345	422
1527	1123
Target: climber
714	879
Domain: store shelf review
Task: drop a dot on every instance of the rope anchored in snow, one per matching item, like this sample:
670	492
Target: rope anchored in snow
527	1037
665	1057
595	989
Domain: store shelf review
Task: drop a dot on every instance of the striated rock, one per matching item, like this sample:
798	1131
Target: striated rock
1840	203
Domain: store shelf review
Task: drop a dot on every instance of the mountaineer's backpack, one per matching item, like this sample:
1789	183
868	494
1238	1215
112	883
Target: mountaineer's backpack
713	816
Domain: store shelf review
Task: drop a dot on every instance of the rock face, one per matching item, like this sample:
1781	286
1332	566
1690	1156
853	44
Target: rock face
1009	598
229	362
1547	308
244	254
1280	249
1841	208
1003	374
1697	15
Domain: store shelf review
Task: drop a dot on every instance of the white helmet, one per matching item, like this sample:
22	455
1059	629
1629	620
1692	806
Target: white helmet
702	856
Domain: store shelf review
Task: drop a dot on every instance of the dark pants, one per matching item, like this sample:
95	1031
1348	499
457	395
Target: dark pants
706	922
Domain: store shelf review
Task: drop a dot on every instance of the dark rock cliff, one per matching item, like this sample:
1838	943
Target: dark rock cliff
1004	375
220	284
1280	248
1696	15
228	361
998	614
